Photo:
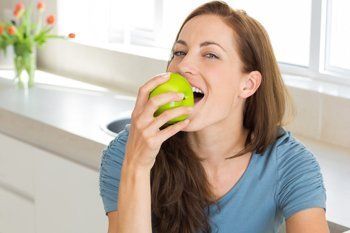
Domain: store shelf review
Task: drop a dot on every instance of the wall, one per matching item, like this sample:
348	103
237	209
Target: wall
50	7
95	65
321	115
98	66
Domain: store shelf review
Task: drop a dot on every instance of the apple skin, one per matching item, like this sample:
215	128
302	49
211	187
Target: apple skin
176	83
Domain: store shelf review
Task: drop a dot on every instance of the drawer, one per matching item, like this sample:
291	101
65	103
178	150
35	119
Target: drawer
17	165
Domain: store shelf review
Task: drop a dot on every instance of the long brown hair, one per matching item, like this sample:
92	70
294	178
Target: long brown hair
181	193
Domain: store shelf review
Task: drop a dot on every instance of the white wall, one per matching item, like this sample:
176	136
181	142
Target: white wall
95	65
320	115
50	6
98	66
6	4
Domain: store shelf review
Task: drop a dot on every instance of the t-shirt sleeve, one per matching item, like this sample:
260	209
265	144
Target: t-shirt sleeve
300	183
110	170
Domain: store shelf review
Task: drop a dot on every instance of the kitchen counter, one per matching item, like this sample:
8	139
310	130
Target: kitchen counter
64	116
58	117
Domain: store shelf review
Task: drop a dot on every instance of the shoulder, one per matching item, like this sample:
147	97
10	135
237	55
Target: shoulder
289	150
110	169
299	179
116	148
286	140
122	136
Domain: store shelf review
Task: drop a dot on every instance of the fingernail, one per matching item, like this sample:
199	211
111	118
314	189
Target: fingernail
181	95
166	74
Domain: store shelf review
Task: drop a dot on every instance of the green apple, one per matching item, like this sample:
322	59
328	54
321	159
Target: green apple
176	83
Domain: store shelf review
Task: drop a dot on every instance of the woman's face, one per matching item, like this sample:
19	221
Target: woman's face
205	53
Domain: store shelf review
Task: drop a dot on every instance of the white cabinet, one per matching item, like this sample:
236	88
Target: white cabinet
42	192
17	208
16	213
67	197
17	164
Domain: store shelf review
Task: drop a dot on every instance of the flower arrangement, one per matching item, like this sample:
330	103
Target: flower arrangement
25	36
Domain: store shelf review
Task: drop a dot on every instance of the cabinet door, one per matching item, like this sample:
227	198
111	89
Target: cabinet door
67	197
17	214
17	164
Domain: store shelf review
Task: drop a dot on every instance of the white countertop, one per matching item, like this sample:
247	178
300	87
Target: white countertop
61	119
64	116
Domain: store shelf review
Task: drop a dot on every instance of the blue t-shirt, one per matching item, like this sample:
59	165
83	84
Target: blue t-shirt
283	180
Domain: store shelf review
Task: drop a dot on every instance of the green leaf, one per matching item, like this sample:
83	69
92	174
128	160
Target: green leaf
54	36
42	33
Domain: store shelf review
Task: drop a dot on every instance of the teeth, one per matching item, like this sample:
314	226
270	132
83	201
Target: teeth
195	89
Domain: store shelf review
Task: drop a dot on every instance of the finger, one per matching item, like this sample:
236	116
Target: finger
156	101
172	130
144	91
168	115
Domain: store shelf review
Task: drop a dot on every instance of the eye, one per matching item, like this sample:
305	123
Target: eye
178	53
211	56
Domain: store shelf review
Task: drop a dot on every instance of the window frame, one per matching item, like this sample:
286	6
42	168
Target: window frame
327	65
318	69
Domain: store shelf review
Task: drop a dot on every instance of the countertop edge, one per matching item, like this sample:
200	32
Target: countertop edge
47	137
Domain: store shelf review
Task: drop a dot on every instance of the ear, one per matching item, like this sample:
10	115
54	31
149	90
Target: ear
250	83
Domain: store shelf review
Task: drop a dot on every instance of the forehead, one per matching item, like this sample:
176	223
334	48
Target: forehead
208	28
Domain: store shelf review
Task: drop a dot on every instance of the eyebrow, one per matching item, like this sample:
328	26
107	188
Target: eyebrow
205	43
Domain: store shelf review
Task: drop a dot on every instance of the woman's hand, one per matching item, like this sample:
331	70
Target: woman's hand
145	137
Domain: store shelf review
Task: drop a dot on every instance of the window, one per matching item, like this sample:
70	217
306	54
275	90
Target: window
288	25
89	19
153	23
309	37
338	36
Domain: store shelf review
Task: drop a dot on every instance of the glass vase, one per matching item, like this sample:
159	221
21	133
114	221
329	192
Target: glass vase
25	66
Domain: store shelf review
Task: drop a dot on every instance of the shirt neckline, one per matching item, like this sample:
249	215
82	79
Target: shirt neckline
240	181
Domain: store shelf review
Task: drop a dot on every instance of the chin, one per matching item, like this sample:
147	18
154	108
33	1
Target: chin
192	127
189	128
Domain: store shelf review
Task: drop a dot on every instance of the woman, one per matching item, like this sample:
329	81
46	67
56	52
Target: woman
231	167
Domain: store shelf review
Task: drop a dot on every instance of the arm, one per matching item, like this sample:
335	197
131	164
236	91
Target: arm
123	187
127	188
311	220
134	201
112	221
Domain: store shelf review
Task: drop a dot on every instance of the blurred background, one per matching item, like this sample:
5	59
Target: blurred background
52	135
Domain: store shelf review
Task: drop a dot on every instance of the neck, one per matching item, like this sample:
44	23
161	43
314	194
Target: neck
213	144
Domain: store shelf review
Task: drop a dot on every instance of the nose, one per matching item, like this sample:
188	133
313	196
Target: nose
188	66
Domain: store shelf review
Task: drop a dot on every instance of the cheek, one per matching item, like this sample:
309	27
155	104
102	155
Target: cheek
225	92
232	79
225	82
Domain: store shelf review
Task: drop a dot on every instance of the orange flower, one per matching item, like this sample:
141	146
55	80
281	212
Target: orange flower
19	9
19	6
50	19
71	35
1	30
40	6
11	30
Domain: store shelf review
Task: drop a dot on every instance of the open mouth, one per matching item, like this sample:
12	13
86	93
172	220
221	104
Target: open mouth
197	94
